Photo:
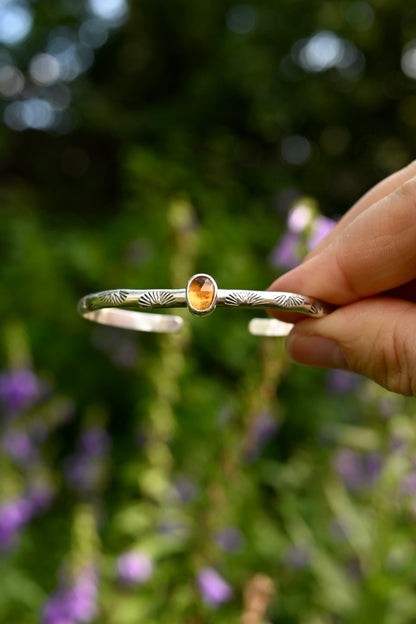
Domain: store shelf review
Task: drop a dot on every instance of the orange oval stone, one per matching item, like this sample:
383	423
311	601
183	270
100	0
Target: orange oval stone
201	292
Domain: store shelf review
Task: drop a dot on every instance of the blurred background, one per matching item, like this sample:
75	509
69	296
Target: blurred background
197	477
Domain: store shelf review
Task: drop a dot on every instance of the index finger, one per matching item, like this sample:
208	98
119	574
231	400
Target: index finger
375	252
378	192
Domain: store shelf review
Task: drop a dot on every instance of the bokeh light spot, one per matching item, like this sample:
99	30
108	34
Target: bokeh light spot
324	50
12	81
73	58
35	113
44	69
93	33
408	62
15	22
111	10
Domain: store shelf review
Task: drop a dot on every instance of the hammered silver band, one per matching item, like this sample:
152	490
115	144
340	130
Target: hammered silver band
121	308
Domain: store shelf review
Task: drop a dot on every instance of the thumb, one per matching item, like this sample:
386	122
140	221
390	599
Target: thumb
375	337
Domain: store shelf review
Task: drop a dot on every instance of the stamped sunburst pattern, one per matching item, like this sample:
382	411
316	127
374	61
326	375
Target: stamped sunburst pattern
156	299
113	297
316	308
244	298
289	300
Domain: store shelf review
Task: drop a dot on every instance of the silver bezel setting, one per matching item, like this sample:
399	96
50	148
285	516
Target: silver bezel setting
213	304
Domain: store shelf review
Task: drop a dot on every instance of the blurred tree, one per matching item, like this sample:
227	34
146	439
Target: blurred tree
275	95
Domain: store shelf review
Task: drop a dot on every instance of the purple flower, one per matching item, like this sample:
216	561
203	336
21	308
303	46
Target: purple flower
20	389
263	429
304	232
40	498
213	588
321	228
84	473
18	445
372	465
297	556
348	466
286	254
134	568
94	441
13	516
85	469
16	513
357	470
340	382
74	602
230	539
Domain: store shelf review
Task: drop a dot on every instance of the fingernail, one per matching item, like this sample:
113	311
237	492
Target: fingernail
315	351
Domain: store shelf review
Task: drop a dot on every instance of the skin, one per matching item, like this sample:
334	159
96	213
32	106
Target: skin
367	267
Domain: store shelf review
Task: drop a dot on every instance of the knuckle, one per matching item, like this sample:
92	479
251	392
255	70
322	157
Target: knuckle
399	363
345	275
389	358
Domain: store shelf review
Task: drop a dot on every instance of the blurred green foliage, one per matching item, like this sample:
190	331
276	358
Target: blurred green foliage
182	143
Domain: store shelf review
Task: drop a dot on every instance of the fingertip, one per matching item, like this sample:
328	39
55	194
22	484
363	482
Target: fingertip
313	350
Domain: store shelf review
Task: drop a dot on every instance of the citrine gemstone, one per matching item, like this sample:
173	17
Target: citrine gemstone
201	292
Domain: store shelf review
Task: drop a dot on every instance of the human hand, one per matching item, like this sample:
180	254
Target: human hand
366	266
